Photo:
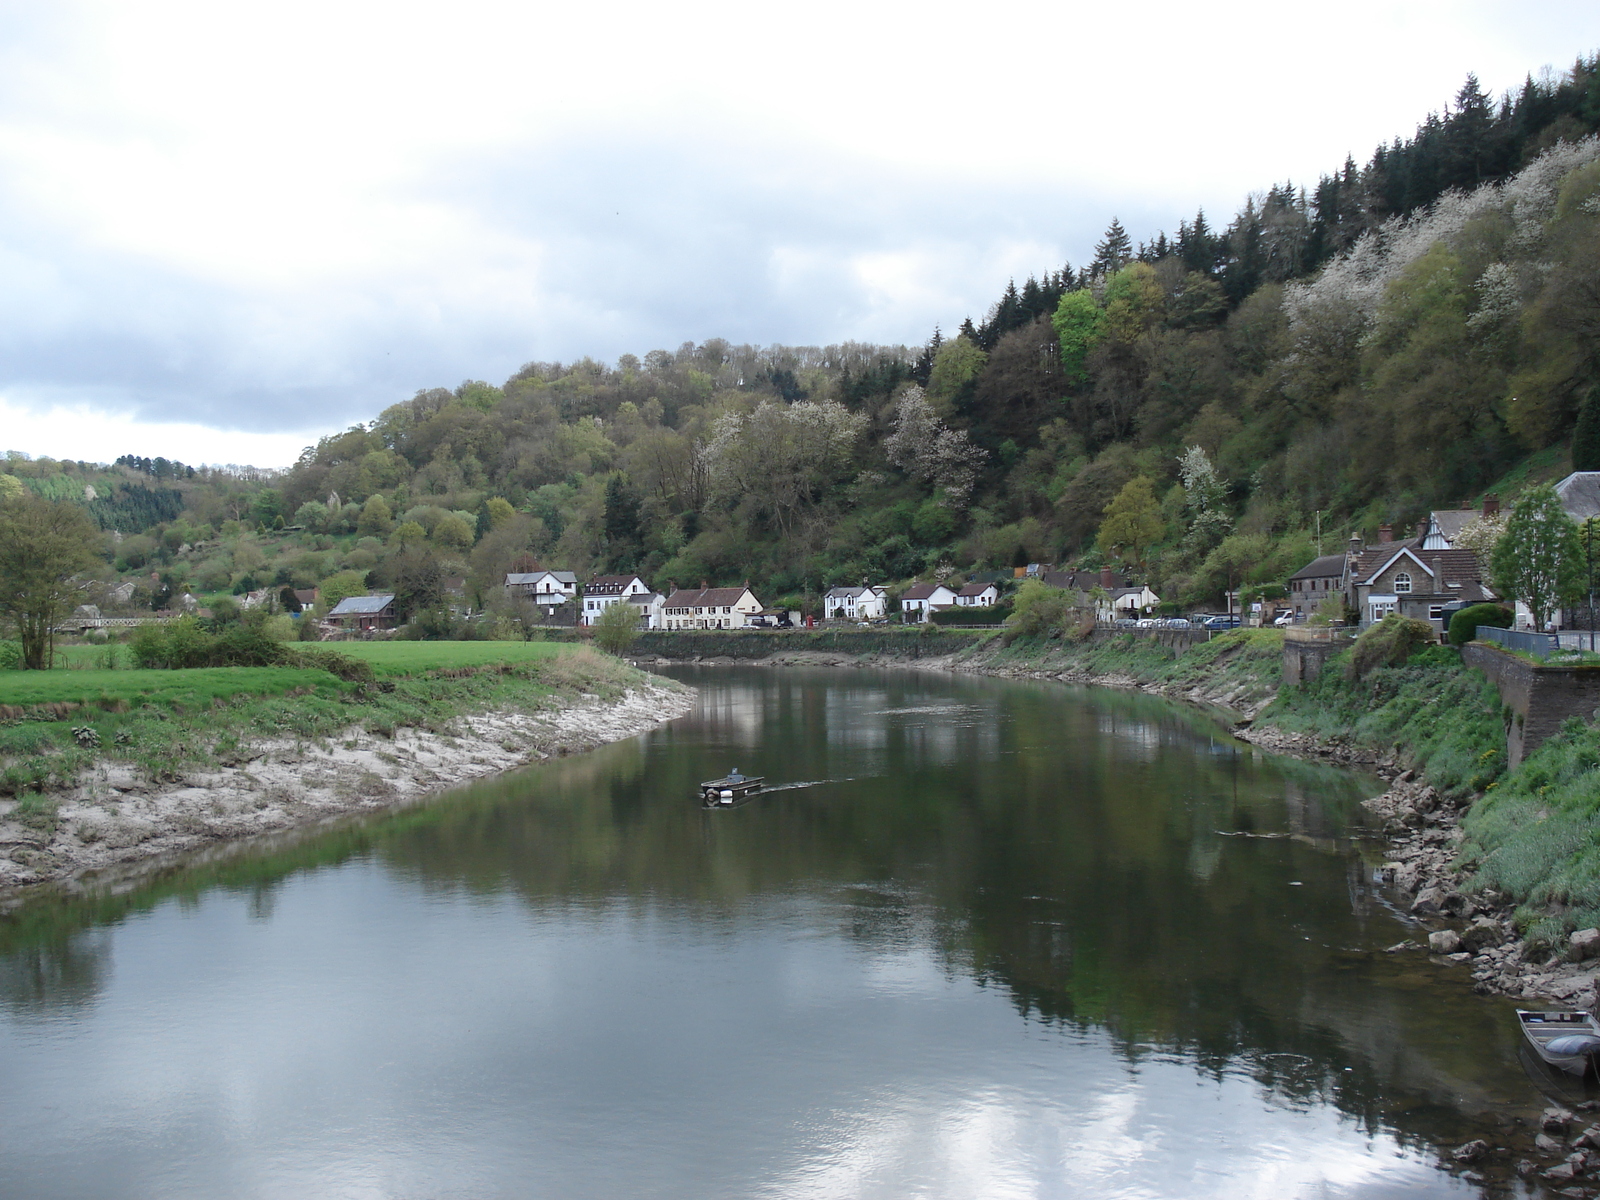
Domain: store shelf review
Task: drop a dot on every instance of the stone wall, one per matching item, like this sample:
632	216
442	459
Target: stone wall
1540	696
1303	661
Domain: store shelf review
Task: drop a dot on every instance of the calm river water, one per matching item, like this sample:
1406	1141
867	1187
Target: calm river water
990	939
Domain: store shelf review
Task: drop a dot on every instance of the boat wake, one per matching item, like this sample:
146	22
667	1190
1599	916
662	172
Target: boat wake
808	783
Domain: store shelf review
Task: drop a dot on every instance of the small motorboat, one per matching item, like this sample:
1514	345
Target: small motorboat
730	789
1567	1040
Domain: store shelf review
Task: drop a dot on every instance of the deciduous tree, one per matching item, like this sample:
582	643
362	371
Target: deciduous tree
1539	561
43	545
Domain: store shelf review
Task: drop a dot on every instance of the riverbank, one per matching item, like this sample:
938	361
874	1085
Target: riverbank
162	782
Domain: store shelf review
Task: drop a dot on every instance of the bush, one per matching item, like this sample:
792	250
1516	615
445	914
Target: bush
1039	611
972	616
10	656
185	644
616	627
1389	643
1464	625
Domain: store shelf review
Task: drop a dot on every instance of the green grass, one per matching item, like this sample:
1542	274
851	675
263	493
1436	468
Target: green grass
1443	717
1543	466
1536	835
246	704
415	658
138	687
1246	664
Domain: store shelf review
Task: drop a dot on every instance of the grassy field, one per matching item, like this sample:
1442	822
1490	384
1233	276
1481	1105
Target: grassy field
132	687
174	720
417	658
85	682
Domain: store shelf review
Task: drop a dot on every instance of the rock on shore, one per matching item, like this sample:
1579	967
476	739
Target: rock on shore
114	817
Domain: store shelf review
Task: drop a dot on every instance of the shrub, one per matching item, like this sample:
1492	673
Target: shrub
1464	625
1389	643
972	616
10	656
1039	611
616	627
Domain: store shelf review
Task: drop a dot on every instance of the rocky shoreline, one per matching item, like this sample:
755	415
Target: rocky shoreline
114	818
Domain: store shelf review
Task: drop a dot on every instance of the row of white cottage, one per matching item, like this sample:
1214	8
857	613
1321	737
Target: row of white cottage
728	608
698	608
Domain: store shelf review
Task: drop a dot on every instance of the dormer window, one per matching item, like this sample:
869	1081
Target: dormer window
1402	582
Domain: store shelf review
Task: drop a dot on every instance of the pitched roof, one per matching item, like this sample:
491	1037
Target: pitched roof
1322	568
1449	521
361	606
535	576
1080	581
610	585
976	589
922	591
707	597
1457	568
1580	494
846	593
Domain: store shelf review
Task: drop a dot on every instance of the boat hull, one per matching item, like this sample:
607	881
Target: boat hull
1568	1041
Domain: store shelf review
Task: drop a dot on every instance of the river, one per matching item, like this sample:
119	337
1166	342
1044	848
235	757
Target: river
982	939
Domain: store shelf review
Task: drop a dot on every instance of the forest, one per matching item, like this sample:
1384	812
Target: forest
1198	406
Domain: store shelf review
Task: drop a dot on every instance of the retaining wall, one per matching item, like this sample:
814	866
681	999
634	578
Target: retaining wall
1540	696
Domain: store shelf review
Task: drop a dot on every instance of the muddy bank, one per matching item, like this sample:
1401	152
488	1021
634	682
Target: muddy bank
113	817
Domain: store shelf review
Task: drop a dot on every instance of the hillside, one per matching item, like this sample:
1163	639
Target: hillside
1397	338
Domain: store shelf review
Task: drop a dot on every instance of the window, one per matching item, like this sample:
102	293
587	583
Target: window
1402	583
1435	612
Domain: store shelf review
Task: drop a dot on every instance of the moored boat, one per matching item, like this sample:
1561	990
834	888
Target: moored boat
1567	1040
730	789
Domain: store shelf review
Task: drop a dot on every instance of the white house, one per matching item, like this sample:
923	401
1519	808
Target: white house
601	592
651	606
1127	602
710	608
544	587
855	603
921	600
978	595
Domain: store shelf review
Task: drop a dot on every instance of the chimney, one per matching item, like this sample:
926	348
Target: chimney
1422	529
1105	578
1491	505
704	586
1386	532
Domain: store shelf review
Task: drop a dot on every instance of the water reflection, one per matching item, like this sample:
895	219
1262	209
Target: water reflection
1011	939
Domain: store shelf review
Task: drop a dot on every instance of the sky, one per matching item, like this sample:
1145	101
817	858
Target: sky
227	230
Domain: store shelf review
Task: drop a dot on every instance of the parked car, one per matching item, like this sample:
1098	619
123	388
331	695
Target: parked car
1177	623
1285	618
1149	623
1221	622
1126	623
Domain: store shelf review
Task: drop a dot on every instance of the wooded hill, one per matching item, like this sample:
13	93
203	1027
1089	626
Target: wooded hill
1391	339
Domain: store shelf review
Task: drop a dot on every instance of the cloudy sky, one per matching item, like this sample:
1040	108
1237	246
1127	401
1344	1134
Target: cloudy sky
228	229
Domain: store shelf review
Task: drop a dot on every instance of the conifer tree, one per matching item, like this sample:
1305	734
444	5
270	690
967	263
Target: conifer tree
1114	251
1586	437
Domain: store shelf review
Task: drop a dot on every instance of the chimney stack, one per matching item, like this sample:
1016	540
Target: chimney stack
1386	532
1422	529
1491	505
1105	578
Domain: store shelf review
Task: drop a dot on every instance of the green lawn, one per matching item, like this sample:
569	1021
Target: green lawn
188	688
84	683
415	658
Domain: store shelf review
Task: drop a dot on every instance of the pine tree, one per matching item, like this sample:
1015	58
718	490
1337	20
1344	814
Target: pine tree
1586	436
1114	251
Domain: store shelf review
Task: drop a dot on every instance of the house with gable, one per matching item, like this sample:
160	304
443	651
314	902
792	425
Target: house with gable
1410	579
364	613
710	608
543	587
1313	583
864	603
921	600
978	595
601	592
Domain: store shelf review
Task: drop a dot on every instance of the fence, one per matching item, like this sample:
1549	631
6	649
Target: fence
1540	645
